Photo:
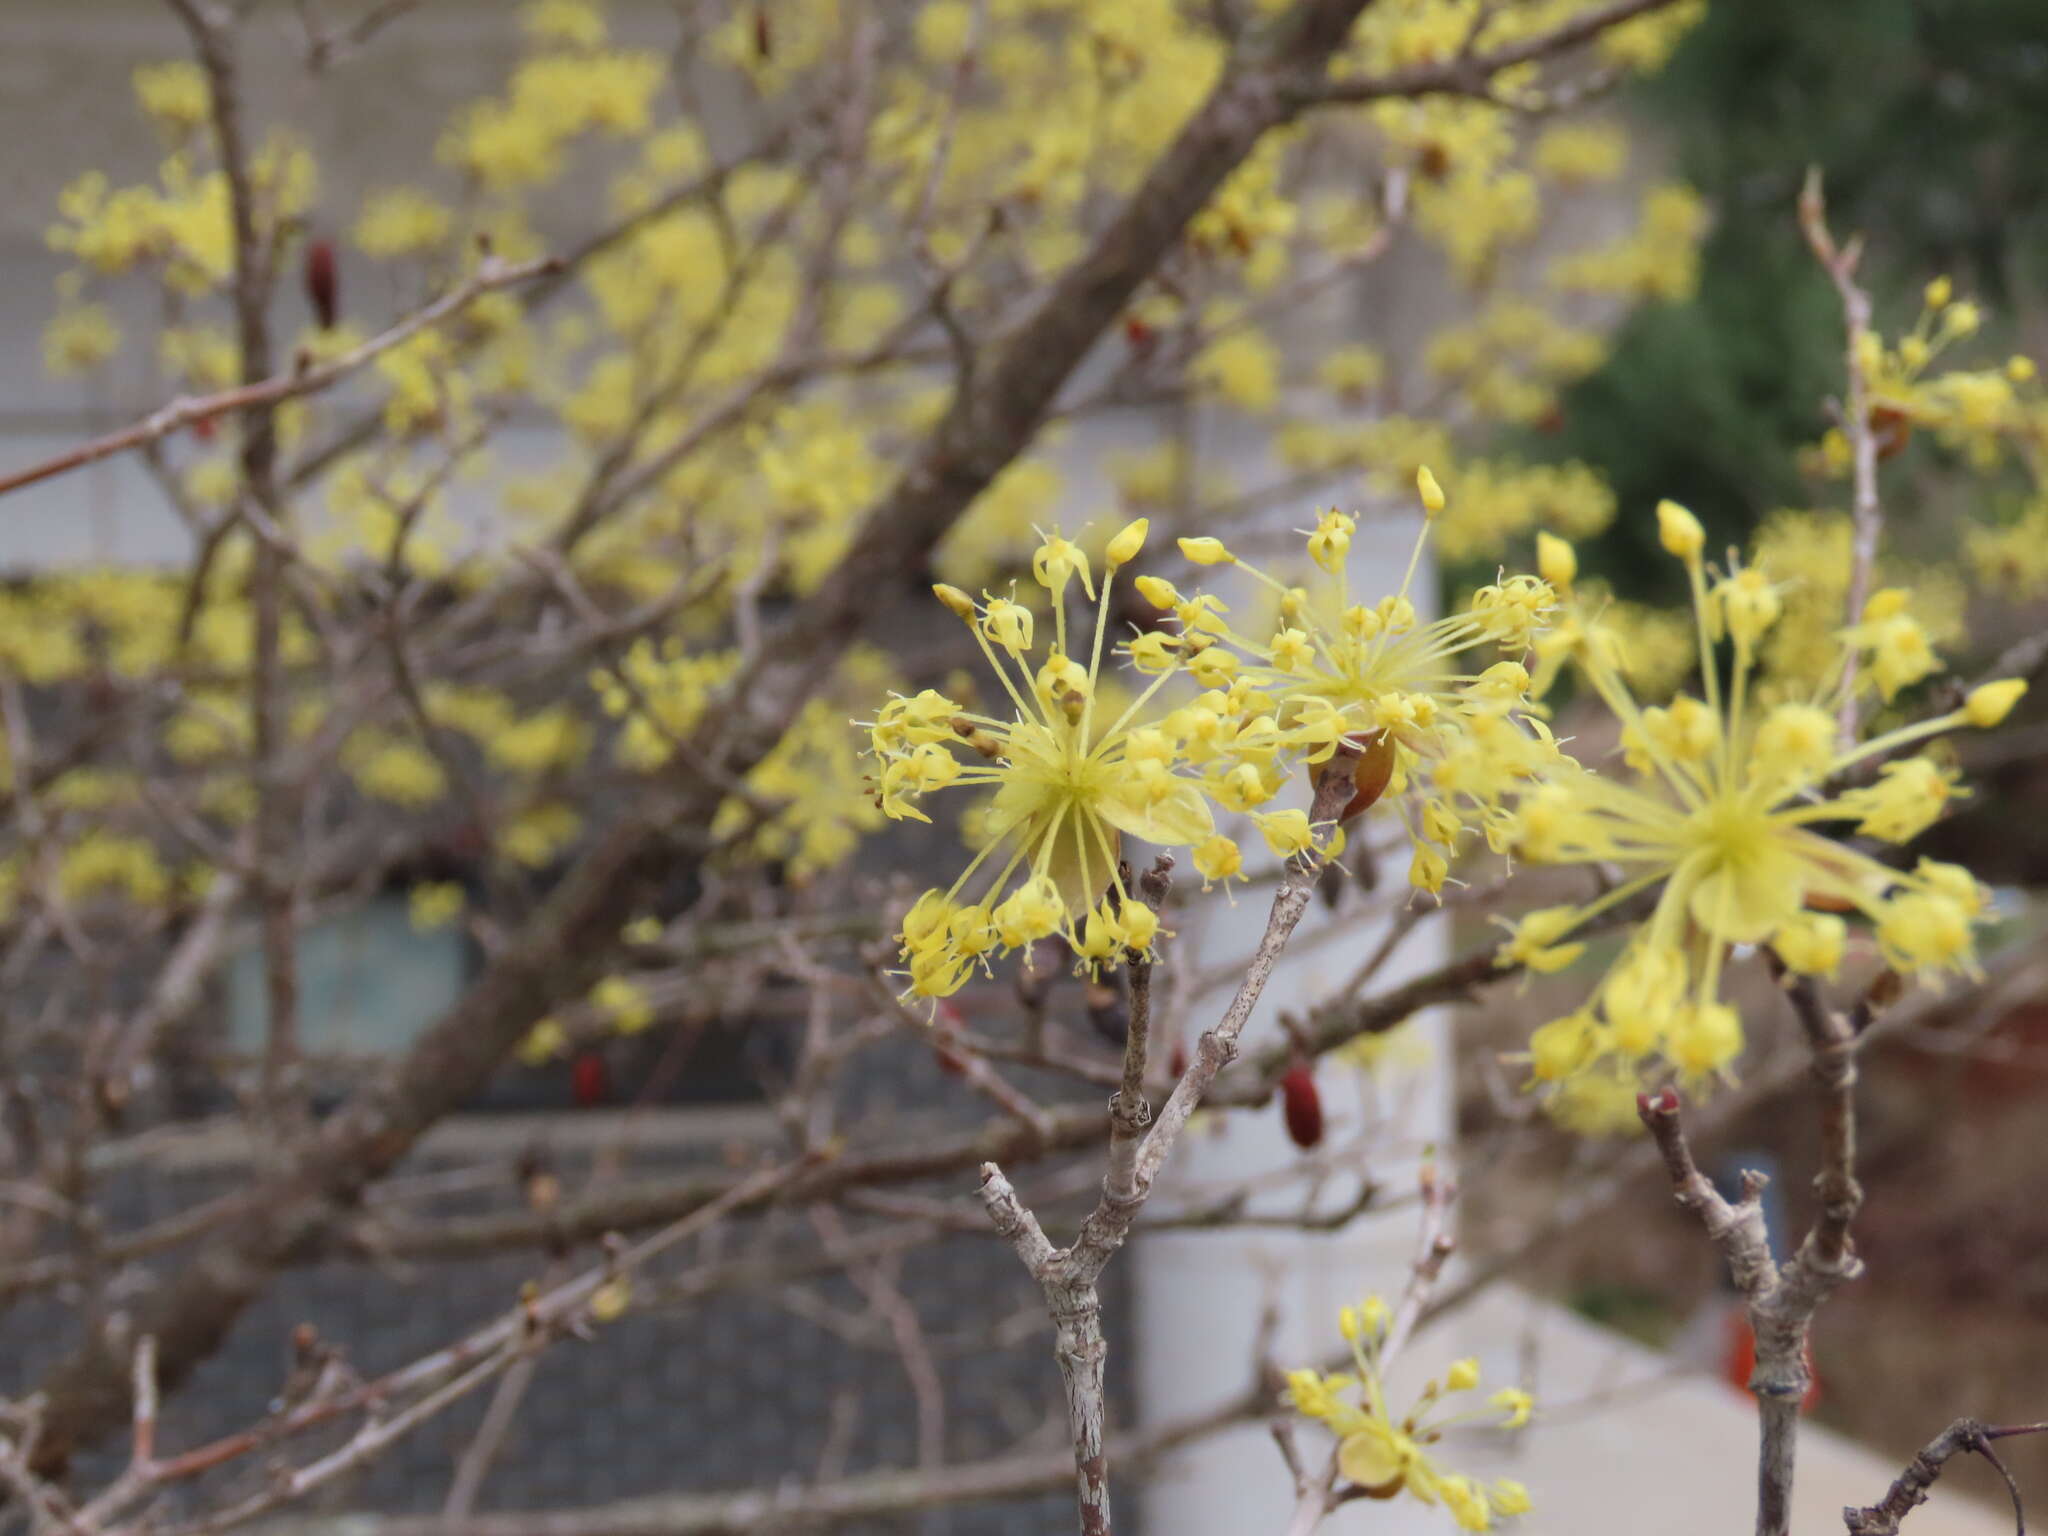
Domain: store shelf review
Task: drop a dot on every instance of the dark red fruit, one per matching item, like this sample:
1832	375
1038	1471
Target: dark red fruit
323	284
1304	1105
589	1082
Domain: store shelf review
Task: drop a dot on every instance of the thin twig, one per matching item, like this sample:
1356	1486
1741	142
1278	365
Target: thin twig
1909	1490
1866	514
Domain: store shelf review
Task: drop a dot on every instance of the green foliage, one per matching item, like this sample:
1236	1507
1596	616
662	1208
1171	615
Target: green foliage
1926	117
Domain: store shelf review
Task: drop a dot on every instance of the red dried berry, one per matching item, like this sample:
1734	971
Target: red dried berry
1304	1105
323	284
589	1082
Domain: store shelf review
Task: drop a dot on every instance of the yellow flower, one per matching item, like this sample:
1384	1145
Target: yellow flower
609	1301
1899	649
111	862
624	1002
1812	943
1679	531
1989	703
1720	815
1217	858
1556	561
537	837
1070	775
402	221
577	23
435	905
1384	1456
543	1043
79	338
175	94
1335	668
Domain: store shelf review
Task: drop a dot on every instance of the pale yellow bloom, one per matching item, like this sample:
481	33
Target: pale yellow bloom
1721	815
1384	1456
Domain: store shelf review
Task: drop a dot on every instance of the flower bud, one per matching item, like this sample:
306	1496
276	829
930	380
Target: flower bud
1123	549
1432	494
1217	858
1556	561
1990	703
1206	551
959	602
1158	591
1939	292
1679	531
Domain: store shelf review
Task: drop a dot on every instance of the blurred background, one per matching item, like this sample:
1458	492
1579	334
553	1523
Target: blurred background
1927	117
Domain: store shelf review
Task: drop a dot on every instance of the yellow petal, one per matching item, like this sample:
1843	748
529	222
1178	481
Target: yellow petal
1370	1458
1181	817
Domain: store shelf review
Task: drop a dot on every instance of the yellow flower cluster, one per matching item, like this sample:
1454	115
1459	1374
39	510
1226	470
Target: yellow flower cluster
1433	716
660	693
1809	557
436	904
79	338
185	226
1512	357
175	94
1659	261
806	810
1384	1457
1719	814
623	1003
2012	557
1070	771
105	863
401	221
1985	416
554	97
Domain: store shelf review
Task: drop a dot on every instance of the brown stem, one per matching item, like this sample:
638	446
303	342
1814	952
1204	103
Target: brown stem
1910	1489
1129	1111
1781	1301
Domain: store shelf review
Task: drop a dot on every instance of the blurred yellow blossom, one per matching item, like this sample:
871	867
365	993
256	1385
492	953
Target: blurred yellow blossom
1384	1456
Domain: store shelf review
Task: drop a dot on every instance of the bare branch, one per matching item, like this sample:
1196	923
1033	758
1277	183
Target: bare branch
491	274
1866	514
1910	1489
